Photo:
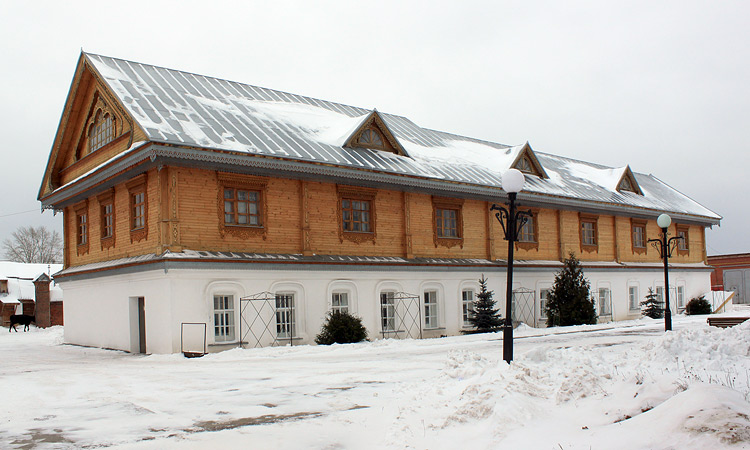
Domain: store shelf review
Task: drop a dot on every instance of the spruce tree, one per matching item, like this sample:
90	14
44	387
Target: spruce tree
569	301
652	307
485	318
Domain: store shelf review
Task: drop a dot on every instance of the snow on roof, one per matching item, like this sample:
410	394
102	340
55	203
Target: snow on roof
10	269
194	110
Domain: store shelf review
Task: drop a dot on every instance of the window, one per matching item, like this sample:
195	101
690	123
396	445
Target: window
638	235
106	218
388	311
527	231
101	131
543	293
223	318
660	295
356	215
242	207
634	302
680	297
589	237
371	138
3	286
605	303
524	165
82	227
430	309
340	302
467	306
285	316
683	245
138	208
448	230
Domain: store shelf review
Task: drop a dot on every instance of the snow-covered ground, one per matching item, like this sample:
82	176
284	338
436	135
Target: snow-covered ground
624	386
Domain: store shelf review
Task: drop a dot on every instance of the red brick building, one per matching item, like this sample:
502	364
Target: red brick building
732	273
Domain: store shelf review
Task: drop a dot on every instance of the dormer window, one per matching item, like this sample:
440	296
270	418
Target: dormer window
101	131
628	182
625	185
524	165
370	138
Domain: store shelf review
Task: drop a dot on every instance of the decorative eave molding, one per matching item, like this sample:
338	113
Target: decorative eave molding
151	155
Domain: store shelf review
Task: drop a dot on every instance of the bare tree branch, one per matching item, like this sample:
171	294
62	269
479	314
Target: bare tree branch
34	245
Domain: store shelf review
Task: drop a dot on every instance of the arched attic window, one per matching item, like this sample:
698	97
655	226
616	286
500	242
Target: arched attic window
101	131
626	186
525	166
371	138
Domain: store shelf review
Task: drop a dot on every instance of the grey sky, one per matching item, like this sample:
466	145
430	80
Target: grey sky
661	86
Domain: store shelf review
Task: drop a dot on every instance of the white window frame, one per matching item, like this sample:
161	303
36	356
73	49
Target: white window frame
603	302
387	305
680	296
431	309
285	316
224	318
543	302
634	301
467	305
337	305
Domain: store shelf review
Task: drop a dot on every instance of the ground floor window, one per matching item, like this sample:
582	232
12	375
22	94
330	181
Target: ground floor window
340	302
387	311
285	316
467	306
634	302
430	309
680	297
224	318
543	293
605	303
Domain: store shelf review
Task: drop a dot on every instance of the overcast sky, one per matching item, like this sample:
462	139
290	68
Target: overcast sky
661	86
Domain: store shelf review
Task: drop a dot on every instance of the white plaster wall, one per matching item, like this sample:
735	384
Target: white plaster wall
97	310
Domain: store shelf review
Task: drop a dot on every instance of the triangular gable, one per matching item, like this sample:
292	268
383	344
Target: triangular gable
527	162
89	101
628	182
373	133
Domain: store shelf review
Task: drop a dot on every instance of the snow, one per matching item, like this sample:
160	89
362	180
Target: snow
616	386
466	153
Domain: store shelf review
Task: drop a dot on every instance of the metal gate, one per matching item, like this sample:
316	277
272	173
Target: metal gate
400	316
524	307
267	320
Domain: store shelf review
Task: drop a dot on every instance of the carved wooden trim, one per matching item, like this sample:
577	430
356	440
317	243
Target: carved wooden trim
247	182
107	198
98	103
408	242
455	204
82	209
135	186
638	223
305	207
357	193
588	218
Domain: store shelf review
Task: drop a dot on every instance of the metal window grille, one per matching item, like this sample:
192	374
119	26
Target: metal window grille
400	315
261	325
523	307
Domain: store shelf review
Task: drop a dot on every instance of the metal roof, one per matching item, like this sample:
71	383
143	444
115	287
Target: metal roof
186	109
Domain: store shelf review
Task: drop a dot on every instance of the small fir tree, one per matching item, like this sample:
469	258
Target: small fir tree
569	301
485	318
652	307
341	328
698	305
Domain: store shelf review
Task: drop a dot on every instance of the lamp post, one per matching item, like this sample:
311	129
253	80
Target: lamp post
665	246
511	221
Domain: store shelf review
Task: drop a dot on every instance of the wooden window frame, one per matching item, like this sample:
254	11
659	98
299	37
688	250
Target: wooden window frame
244	183
99	132
450	204
372	145
642	249
138	185
353	193
683	251
594	220
107	199
81	210
534	244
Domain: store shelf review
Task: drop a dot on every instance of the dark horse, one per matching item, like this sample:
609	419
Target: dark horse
20	319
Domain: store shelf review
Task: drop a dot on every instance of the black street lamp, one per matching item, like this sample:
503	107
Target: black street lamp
665	246
512	221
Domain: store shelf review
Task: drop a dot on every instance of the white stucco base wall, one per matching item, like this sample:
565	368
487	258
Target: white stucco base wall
101	311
